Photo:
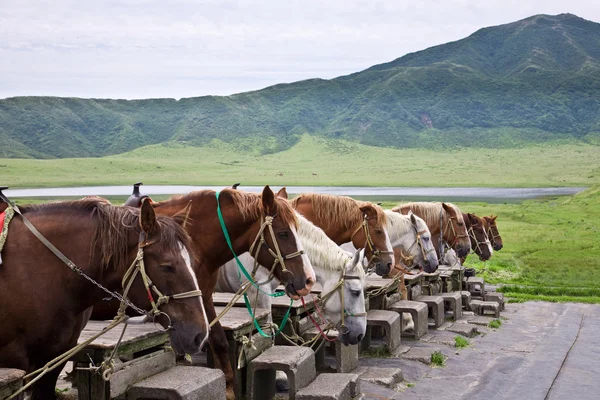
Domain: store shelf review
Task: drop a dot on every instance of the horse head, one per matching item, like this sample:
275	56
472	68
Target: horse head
171	289
424	249
479	239
455	230
278	247
372	235
492	232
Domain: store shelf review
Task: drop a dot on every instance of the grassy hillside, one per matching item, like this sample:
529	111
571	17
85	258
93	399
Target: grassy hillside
335	162
529	82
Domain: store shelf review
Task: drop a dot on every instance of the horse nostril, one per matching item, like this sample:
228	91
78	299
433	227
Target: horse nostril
360	337
309	282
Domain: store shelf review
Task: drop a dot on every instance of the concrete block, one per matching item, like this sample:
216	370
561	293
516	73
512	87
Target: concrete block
388	377
346	357
11	380
465	299
497	297
418	311
476	285
453	303
297	362
181	383
390	322
462	328
485	308
331	387
435	306
420	354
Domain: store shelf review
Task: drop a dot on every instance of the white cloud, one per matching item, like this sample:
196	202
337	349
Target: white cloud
139	49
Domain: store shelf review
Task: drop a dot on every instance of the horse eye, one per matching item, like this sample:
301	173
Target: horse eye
378	231
283	235
460	224
168	268
355	293
426	239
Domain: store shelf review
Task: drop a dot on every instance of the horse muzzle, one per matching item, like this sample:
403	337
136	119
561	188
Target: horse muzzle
187	337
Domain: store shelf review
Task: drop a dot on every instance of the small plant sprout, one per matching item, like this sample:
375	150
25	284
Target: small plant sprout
461	342
438	359
495	324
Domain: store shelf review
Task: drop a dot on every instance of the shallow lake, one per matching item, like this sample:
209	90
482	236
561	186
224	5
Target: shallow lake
457	194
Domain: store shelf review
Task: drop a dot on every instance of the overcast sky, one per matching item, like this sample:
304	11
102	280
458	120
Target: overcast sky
143	49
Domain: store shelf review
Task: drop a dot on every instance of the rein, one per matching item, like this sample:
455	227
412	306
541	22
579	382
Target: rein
259	241
473	237
375	253
136	266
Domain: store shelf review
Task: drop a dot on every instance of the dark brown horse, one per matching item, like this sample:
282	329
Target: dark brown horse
344	220
492	231
442	219
480	243
44	302
244	213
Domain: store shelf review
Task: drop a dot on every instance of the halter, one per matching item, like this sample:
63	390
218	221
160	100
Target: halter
259	241
375	253
473	237
443	232
323	298
493	235
419	242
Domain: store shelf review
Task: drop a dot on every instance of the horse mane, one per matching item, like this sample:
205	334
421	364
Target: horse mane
429	211
397	222
114	227
322	251
339	210
249	204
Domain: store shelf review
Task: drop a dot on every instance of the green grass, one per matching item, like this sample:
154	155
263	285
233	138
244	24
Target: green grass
438	359
495	324
461	342
335	162
379	352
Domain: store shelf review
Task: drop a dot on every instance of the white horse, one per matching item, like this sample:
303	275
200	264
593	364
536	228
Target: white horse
336	270
410	235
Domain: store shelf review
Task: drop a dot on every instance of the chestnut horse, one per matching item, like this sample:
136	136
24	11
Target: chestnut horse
443	219
44	300
492	231
244	214
345	220
480	243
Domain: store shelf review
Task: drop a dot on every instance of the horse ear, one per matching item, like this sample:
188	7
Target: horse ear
268	200
494	217
147	217
412	218
182	217
357	257
369	210
446	207
473	219
283	193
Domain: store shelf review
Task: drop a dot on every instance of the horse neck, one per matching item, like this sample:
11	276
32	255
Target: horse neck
399	229
322	251
205	229
338	234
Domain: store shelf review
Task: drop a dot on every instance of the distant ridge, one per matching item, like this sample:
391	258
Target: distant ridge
536	80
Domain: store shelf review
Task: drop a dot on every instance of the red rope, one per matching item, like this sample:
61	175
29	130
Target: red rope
315	322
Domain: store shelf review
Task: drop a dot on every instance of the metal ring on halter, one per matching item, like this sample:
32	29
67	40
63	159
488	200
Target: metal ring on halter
343	329
159	326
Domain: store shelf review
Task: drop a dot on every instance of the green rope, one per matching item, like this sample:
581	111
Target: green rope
247	275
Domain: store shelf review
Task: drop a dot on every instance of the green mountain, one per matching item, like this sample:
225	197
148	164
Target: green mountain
531	81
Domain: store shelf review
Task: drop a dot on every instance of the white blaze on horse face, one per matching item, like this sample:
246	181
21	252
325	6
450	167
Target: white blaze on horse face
188	263
309	272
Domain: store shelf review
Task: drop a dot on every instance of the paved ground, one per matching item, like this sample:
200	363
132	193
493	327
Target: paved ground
542	351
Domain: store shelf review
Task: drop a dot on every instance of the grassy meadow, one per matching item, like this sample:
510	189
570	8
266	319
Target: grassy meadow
551	248
316	161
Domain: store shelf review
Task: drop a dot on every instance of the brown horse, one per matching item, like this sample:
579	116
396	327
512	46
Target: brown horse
492	231
44	302
344	220
480	243
244	214
442	219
